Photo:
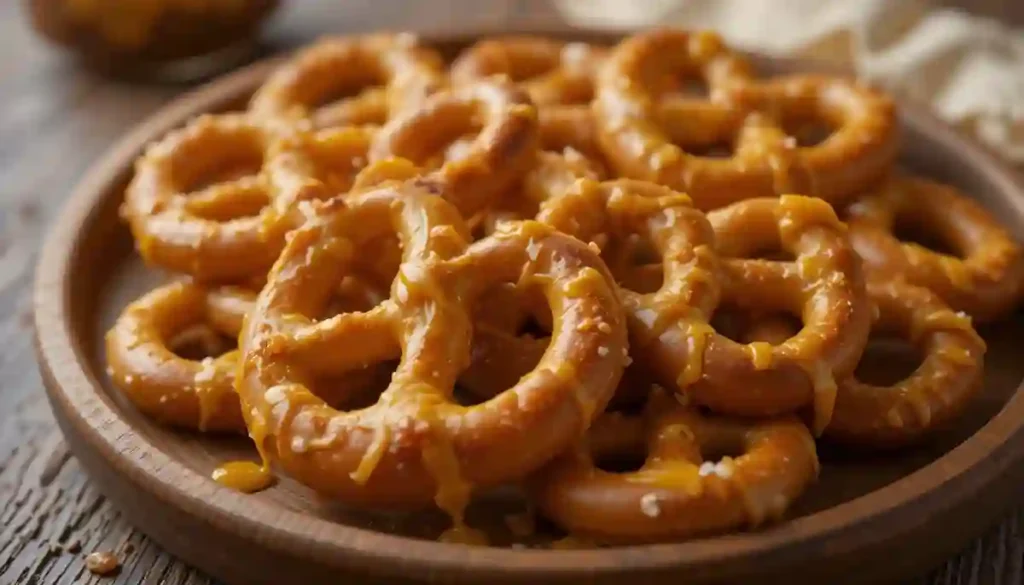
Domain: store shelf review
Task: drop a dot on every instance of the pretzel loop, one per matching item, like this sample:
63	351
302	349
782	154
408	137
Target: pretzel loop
683	487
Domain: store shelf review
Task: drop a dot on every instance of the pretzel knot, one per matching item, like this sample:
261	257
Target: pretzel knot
416	444
558	76
983	272
504	148
936	391
215	198
198	393
822	286
700	474
377	77
652	133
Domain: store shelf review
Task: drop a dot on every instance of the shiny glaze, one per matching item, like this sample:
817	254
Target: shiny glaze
416	445
984	279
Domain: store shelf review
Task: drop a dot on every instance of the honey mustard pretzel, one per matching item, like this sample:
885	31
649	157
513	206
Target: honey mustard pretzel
653	134
552	72
415	445
683	488
199	393
558	76
504	148
381	75
823	286
984	273
950	374
215	198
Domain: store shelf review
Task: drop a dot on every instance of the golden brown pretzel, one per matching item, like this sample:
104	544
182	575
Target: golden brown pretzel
553	72
558	76
823	286
215	198
984	273
199	393
383	76
680	491
950	373
504	149
641	127
415	444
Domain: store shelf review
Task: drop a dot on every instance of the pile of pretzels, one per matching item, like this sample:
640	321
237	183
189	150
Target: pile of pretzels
635	281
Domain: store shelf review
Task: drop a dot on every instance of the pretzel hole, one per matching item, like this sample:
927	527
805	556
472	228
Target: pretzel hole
888	360
635	262
808	133
331	89
743	326
726	445
620	462
720	150
911	231
200	341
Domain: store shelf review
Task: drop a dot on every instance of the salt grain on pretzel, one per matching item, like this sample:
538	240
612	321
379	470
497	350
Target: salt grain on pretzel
983	274
381	75
681	490
415	445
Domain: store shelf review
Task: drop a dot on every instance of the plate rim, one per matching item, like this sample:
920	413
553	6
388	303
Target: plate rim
987	457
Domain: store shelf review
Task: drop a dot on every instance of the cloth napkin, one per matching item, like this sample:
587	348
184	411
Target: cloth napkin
969	69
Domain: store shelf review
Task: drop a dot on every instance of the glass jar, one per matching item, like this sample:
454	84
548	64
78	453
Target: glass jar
154	38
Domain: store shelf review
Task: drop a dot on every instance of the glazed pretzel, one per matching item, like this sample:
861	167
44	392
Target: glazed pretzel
415	444
199	393
640	124
558	76
384	76
823	286
950	373
680	491
504	148
233	228
985	276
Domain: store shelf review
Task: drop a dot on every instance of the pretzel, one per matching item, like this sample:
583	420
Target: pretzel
950	373
552	72
823	286
504	149
415	444
983	276
680	491
650	133
199	393
233	228
385	75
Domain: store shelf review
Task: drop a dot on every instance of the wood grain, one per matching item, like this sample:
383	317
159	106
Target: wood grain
54	121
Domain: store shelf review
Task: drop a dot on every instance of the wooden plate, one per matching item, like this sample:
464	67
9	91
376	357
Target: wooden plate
867	520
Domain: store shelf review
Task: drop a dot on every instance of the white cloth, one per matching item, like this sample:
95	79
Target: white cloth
970	70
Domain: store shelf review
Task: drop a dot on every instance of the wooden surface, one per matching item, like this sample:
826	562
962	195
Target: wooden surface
54	121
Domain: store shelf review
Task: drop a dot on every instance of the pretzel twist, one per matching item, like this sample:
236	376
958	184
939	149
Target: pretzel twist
416	444
682	489
199	393
504	148
949	375
255	179
641	125
984	274
385	76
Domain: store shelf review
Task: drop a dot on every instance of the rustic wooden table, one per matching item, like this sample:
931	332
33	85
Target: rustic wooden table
54	121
